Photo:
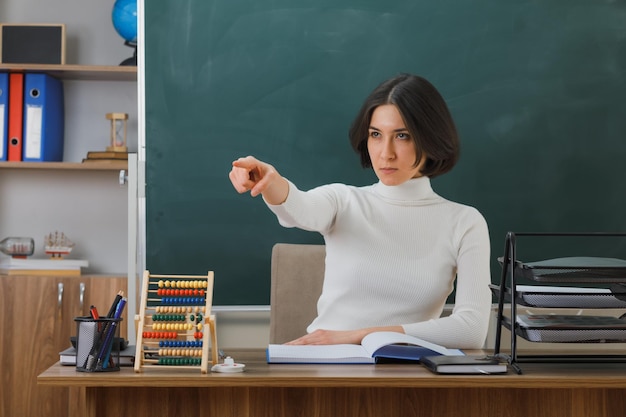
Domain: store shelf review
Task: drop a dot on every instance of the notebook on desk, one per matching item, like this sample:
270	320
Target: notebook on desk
472	364
127	356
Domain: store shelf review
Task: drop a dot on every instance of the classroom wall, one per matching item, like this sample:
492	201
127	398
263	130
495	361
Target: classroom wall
89	199
539	108
93	41
91	208
91	38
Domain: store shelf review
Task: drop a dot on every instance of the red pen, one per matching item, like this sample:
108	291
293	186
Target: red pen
94	314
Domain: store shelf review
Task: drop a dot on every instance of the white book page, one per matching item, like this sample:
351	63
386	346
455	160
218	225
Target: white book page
374	341
318	352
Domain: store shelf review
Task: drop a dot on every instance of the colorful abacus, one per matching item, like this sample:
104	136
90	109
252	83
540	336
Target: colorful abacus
175	322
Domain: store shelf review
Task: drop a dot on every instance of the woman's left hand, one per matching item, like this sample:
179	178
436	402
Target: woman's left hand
336	337
330	337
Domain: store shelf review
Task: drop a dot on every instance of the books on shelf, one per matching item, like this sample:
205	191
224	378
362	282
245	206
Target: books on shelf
100	155
127	356
375	347
27	266
470	364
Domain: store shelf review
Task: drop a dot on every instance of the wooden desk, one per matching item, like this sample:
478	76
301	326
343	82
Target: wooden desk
568	390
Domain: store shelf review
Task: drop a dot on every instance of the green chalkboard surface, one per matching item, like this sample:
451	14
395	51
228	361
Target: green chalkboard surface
537	88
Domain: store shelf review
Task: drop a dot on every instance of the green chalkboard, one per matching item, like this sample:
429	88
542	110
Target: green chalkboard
537	88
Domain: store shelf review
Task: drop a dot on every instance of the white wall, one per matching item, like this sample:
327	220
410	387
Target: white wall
89	207
91	38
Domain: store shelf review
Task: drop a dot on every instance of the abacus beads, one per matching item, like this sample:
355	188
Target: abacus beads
168	335
179	310
180	361
168	317
173	326
176	314
180	343
180	293
182	300
180	352
182	284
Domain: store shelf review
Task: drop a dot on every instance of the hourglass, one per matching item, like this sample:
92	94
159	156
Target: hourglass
118	132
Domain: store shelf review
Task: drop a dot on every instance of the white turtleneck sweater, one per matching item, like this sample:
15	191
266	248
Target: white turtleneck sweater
392	256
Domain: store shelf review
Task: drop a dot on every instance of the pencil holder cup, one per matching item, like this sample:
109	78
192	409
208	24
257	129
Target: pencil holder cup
95	347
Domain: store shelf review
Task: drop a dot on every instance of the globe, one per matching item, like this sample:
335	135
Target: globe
124	18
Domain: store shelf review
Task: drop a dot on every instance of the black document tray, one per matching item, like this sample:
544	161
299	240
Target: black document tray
577	280
571	329
540	296
572	270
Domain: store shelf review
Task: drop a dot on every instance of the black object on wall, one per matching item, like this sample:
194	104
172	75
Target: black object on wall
536	88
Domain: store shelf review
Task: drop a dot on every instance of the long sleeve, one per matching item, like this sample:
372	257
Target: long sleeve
312	210
392	257
468	324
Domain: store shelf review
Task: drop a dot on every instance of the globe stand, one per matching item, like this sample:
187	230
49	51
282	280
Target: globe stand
132	61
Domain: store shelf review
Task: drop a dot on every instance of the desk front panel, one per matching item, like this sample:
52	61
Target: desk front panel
355	402
564	390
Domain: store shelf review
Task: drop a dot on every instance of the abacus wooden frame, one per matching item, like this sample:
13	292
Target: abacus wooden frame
209	327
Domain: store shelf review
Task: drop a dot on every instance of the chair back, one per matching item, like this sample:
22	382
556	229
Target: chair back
297	274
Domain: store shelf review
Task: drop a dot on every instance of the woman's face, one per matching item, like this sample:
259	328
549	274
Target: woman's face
391	148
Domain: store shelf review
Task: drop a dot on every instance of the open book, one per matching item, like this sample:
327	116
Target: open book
374	348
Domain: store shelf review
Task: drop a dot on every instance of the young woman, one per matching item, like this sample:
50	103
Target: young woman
395	248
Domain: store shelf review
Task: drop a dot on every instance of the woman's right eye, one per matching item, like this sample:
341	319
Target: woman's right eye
374	134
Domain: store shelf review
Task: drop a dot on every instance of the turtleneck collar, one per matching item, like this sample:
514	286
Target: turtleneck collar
415	190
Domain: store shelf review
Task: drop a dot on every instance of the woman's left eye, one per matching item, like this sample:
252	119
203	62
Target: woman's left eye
403	136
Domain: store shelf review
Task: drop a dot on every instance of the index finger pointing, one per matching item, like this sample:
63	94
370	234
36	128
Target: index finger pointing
248	162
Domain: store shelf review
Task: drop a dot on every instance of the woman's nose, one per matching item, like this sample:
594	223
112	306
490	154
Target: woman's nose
388	151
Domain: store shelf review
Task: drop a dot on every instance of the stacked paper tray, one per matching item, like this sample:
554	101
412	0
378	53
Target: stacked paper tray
573	269
571	329
567	297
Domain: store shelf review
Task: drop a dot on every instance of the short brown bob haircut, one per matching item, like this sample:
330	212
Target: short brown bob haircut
425	115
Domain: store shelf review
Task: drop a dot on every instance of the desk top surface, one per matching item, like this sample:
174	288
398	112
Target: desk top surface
258	373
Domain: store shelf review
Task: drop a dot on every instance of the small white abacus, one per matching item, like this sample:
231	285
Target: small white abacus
175	327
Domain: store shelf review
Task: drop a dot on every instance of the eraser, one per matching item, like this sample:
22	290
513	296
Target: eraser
229	365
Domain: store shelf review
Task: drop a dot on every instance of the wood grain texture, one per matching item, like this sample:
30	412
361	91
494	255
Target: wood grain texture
564	390
78	72
92	165
362	402
35	329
